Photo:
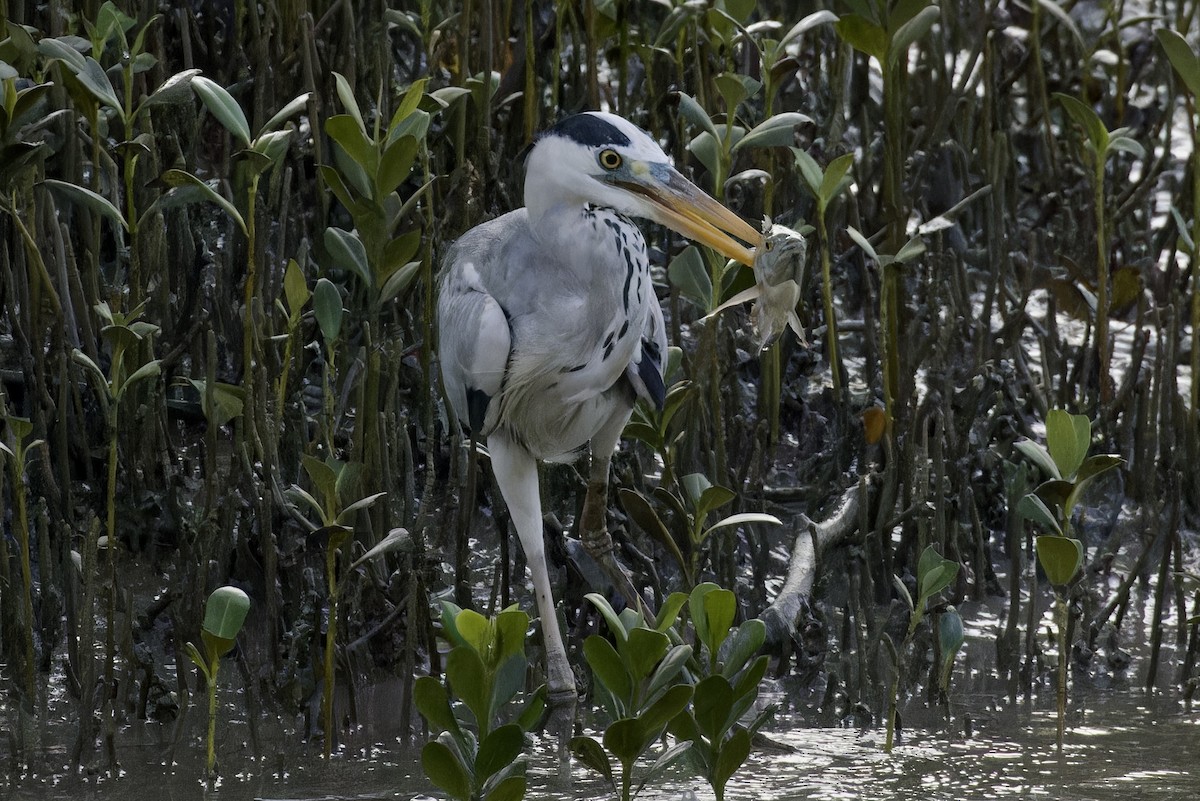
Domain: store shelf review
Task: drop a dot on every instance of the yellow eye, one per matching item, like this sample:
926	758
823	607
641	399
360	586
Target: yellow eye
610	159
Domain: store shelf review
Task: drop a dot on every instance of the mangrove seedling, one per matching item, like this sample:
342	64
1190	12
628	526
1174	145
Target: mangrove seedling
224	614
934	574
687	538
17	456
713	723
1187	64
825	186
334	481
1051	507
479	732
638	680
1100	143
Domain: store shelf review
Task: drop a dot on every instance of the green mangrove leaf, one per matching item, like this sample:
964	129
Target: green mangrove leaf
295	288
447	95
475	630
511	788
182	178
1088	120
512	625
346	95
608	668
732	756
222	105
591	755
1033	508
912	30
1182	58
395	164
809	170
468	680
269	148
834	179
643	651
173	90
862	242
225	612
712	703
293	107
910	250
349	253
720	609
695	114
1128	145
668	613
610	615
823	17
713	498
697	611
626	739
668	669
902	591
509	680
1037	454
863	35
934	574
346	516
59	50
742	519
498	750
433	702
745	688
96	82
193	654
735	88
399	281
643	514
1060	557
327	304
746	641
81	358
687	274
663	711
1095	465
1068	437
950	640
535	705
444	770
98	204
400	251
352	139
1062	16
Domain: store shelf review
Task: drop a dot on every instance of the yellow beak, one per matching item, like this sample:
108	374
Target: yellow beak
683	207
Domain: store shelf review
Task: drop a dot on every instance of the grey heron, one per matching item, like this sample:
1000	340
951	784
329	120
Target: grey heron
549	328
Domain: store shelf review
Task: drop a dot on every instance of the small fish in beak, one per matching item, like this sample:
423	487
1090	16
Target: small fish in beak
779	276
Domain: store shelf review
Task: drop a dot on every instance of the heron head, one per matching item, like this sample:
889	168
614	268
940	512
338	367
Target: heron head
607	161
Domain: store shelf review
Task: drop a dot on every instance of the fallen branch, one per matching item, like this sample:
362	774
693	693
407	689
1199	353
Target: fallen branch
789	610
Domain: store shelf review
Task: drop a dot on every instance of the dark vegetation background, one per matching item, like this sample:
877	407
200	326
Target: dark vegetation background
128	496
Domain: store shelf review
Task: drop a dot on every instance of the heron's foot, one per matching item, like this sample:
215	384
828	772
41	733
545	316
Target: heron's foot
593	528
560	724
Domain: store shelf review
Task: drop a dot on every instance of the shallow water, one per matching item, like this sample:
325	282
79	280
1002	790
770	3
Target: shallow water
1121	744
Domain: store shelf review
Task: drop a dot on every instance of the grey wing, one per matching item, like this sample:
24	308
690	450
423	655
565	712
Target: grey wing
474	345
646	369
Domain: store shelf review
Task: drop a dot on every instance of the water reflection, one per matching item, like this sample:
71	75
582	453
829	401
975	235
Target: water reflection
1120	745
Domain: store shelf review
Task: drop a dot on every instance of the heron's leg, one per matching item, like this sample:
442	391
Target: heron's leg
516	473
593	527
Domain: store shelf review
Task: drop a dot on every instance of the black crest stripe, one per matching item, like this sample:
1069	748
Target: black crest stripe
589	130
